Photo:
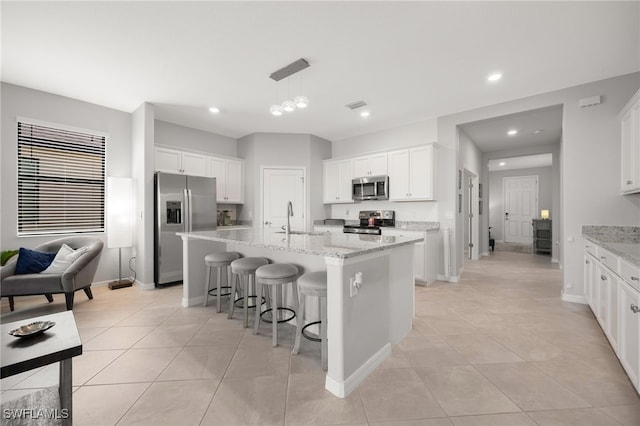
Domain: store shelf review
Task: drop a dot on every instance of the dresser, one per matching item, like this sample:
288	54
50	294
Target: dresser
542	236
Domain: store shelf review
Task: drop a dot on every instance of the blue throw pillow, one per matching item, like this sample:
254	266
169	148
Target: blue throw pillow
33	262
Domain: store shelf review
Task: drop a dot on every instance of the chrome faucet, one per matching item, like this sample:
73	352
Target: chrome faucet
287	230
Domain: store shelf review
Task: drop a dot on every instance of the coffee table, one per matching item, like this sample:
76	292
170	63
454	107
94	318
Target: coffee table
58	344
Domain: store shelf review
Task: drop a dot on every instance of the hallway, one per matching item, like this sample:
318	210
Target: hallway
498	348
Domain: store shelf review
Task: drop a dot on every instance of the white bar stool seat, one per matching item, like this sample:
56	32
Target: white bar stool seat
244	270
220	261
276	275
313	284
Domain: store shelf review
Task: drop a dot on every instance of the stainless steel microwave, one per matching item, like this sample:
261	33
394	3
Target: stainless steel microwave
370	188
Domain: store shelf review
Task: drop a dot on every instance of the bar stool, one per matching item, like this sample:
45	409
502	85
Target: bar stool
245	270
276	275
313	284
220	261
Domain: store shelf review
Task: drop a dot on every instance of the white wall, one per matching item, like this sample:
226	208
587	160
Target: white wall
28	103
590	163
471	159
186	138
142	155
496	195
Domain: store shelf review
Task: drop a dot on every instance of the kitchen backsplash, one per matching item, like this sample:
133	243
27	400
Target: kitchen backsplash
420	211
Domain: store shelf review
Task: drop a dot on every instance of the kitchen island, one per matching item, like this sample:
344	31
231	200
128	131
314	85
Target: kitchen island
362	322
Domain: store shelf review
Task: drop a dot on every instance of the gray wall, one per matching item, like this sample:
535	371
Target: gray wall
180	137
261	150
496	197
19	101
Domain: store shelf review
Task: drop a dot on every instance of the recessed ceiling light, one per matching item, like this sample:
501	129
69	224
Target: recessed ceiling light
537	132
365	114
214	110
512	132
495	76
502	163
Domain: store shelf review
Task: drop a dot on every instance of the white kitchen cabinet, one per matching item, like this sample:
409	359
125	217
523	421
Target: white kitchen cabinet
229	179
612	288
175	161
370	165
629	347
412	173
630	145
337	181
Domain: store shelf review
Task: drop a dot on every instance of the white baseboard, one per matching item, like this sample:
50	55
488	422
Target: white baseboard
143	286
194	301
485	253
553	260
573	298
100	283
453	279
343	389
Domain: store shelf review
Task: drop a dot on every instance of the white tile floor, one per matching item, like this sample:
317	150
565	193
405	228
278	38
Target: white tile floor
499	348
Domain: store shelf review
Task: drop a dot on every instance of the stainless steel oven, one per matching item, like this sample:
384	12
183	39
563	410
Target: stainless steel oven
372	222
370	188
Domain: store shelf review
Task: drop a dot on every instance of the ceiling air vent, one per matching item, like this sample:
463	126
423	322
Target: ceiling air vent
356	104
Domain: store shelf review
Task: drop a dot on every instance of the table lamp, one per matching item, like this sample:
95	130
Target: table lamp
544	214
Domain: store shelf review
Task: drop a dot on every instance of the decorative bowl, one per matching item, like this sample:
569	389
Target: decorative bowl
33	329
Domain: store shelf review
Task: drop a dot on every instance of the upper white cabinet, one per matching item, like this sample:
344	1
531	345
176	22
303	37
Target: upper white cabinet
337	181
228	174
370	165
412	173
630	145
174	161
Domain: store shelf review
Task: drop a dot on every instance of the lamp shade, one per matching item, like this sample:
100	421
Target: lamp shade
119	211
544	214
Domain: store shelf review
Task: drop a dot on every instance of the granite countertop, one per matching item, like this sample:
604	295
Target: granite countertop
623	241
323	244
409	226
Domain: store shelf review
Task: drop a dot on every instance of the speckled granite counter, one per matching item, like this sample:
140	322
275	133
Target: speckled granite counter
327	244
404	225
623	241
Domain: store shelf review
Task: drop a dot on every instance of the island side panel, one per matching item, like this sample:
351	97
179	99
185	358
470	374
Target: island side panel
401	292
194	269
362	327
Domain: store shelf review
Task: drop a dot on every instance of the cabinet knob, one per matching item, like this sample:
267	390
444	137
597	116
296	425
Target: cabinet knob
603	257
629	182
587	262
634	309
603	278
635	279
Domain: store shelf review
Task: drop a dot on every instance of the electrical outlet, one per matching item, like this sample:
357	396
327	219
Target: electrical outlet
569	285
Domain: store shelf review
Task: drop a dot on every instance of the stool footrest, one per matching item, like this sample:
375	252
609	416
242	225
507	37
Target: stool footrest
270	310
216	291
235	302
308	336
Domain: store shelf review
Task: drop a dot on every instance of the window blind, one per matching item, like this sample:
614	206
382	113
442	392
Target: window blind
61	184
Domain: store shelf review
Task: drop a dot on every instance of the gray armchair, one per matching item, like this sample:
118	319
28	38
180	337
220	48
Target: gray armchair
78	275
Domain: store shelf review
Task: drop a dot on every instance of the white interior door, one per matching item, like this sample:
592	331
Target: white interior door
279	187
520	207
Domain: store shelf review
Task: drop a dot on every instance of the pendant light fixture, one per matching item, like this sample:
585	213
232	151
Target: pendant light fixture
299	101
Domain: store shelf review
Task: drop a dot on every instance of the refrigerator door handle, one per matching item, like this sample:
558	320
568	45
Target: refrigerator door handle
189	227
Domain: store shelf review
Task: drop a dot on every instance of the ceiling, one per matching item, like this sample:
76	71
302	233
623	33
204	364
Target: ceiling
537	127
410	61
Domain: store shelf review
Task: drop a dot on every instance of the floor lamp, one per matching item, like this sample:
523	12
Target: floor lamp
119	218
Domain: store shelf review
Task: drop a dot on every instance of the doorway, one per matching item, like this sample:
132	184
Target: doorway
279	186
520	207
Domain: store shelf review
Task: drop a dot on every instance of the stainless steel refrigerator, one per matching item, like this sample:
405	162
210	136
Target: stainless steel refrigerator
182	204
